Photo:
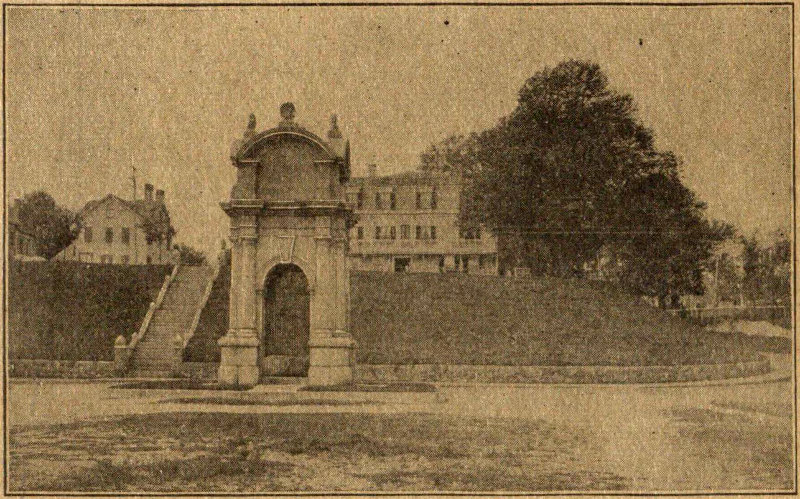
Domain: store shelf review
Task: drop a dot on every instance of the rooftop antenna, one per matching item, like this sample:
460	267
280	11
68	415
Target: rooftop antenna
133	180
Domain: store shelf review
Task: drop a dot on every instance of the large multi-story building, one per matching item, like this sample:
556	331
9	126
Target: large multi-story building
408	222
115	230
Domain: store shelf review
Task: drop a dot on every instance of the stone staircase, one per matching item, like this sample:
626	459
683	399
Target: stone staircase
185	296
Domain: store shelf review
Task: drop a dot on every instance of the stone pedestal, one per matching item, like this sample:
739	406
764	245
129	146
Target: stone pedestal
331	361
239	360
122	355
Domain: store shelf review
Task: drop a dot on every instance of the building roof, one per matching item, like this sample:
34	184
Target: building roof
410	177
153	214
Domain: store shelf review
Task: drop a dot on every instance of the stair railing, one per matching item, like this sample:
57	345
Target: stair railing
206	295
154	305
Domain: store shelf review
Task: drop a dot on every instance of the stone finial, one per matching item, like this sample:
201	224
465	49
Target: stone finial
251	127
334	132
287	111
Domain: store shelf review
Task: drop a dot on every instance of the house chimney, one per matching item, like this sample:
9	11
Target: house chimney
148	192
160	196
372	170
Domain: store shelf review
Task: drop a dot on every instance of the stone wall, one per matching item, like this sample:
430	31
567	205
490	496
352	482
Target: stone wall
559	374
37	368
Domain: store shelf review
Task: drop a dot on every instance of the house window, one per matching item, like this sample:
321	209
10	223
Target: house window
433	232
392	232
360	233
87	234
405	232
126	259
378	204
126	235
393	200
360	199
377	232
419	232
434	199
109	235
418	202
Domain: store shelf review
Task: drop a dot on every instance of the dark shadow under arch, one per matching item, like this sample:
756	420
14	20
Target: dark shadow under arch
286	321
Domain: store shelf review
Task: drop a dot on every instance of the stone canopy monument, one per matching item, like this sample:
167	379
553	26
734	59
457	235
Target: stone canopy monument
289	296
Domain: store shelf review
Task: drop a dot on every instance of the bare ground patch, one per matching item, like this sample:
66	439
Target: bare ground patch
269	452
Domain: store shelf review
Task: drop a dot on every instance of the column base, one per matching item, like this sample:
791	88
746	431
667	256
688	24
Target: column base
331	361
238	364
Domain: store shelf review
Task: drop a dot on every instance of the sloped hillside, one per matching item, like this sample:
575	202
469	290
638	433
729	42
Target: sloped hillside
74	311
465	319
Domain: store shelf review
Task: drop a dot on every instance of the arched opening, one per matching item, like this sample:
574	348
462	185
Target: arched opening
286	322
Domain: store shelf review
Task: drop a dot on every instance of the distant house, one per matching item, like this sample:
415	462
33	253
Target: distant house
22	244
118	231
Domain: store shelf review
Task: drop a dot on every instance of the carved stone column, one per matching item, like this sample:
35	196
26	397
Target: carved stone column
331	346
239	347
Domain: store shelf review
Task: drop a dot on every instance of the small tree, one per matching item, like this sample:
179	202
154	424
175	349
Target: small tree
190	255
53	226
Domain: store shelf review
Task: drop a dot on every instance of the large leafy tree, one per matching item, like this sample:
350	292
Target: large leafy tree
572	171
54	227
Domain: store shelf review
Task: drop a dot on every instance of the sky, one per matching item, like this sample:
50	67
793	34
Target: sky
92	92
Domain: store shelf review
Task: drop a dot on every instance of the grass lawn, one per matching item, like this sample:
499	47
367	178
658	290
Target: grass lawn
271	452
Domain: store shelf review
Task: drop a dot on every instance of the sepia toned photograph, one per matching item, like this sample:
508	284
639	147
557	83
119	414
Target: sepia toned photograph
383	249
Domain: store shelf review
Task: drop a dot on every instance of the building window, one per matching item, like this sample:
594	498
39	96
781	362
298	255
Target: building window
377	232
405	232
473	233
126	259
433	232
360	233
378	204
360	199
393	200
419	232
126	235
434	199
418	202
87	234
392	232
109	235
